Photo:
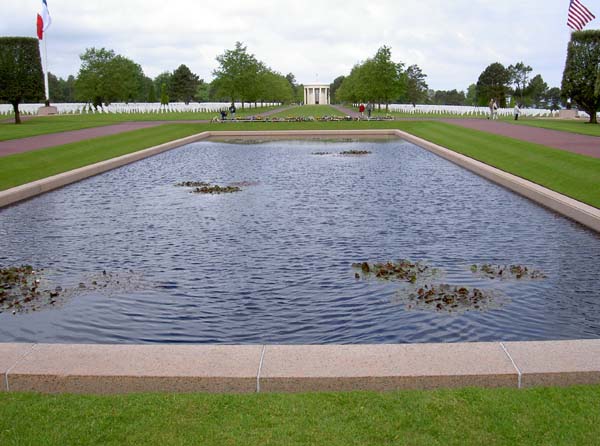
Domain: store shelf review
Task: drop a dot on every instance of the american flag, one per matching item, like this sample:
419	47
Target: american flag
579	15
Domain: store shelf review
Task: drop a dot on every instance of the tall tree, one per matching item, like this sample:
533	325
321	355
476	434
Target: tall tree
519	76
333	88
105	77
163	78
184	84
378	79
553	98
386	77
164	96
202	91
21	76
237	74
536	91
416	86
471	96
493	83
582	70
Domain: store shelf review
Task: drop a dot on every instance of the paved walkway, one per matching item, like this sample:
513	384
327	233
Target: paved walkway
346	111
572	142
56	139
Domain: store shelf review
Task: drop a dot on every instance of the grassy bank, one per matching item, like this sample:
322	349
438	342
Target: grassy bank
545	416
574	175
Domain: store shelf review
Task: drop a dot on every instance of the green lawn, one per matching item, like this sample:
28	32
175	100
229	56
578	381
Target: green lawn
543	416
574	175
53	124
564	125
316	111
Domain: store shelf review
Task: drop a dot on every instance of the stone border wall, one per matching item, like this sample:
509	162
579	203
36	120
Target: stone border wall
82	368
107	369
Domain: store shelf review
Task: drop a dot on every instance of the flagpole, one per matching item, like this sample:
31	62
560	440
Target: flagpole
46	70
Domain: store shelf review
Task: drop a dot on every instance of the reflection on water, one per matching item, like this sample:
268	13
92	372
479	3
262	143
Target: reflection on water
273	263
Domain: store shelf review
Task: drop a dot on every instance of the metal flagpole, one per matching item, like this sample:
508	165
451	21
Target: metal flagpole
46	69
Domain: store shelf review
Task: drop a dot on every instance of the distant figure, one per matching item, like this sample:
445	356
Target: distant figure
495	116
223	114
232	110
361	109
517	112
369	109
491	106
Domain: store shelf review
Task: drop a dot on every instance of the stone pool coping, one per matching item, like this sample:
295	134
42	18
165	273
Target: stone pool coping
108	369
79	368
576	210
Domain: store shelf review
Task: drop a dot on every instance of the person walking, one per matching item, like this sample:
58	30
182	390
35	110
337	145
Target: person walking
369	109
361	109
491	106
232	110
517	112
495	107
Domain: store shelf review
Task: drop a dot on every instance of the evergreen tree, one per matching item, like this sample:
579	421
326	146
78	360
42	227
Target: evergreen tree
493	83
21	75
184	84
580	77
416	87
164	96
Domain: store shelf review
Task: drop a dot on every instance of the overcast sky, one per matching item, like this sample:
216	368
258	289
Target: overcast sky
451	40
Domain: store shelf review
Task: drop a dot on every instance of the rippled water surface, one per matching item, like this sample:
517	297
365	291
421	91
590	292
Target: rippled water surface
272	264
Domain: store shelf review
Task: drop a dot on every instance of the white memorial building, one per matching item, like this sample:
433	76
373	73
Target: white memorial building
315	94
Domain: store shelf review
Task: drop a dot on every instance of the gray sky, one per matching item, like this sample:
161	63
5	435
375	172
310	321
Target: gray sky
451	40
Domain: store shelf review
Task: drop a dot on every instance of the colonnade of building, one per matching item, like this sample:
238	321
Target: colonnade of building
316	94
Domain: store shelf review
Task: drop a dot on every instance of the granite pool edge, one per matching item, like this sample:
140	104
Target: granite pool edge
585	214
110	369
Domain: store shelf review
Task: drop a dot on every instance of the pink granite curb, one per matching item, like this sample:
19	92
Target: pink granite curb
107	369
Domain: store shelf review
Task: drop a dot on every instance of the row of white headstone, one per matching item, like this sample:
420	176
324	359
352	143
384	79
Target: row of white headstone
175	107
463	110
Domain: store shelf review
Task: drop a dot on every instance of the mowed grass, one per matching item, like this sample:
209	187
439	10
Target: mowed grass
541	416
574	175
43	125
316	111
572	126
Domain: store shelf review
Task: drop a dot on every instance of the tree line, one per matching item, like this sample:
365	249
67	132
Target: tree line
106	77
381	80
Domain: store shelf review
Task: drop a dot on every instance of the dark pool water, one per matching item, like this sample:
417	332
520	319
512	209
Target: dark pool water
272	264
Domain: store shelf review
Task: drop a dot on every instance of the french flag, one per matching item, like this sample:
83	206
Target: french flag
43	21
